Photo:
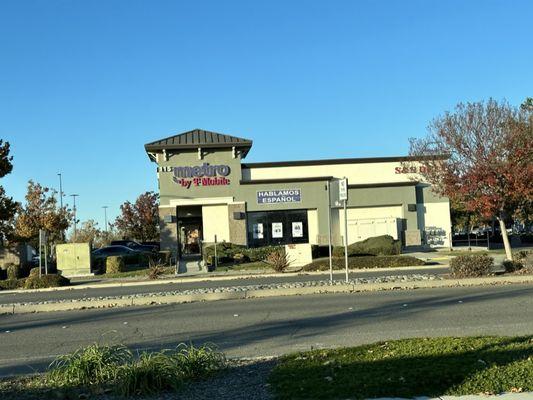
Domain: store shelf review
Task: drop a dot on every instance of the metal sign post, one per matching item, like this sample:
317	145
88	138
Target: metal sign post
216	261
42	246
328	187
343	195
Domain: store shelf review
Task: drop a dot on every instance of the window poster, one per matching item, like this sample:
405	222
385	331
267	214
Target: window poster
277	230
297	229
258	231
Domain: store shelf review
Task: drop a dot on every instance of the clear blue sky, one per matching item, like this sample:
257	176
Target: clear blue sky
84	85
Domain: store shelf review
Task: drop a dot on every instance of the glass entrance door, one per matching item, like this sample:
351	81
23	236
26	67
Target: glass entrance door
190	237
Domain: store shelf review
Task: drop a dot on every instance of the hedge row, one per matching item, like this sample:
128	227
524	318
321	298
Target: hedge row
229	252
384	245
364	262
35	282
471	266
121	263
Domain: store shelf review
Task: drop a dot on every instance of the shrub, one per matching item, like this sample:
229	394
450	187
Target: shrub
11	284
45	281
14	271
114	264
384	245
34	271
261	253
525	258
229	252
471	266
92	365
279	260
364	262
225	252
240	258
512	266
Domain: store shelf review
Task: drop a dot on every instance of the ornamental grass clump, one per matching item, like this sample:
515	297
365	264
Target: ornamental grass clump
92	365
471	266
115	368
167	370
279	260
155	270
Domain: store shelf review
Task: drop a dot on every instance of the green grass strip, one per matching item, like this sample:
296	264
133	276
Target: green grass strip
408	368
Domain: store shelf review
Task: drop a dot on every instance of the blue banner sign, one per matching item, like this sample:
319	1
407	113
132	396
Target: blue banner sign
279	196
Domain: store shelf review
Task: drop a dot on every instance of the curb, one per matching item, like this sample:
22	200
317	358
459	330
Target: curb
15	308
221	278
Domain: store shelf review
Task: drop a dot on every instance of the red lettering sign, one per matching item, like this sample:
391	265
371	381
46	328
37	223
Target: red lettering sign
205	181
422	169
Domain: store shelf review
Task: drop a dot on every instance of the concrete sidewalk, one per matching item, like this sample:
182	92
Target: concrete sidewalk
503	396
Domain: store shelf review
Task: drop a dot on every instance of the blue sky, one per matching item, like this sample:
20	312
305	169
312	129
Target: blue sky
84	85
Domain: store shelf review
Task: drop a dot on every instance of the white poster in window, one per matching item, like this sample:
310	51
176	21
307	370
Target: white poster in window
297	229
277	230
258	231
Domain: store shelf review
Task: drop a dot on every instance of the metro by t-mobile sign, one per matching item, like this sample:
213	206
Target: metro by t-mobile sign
202	175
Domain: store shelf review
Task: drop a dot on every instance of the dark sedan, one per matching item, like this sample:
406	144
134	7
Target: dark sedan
132	244
114	251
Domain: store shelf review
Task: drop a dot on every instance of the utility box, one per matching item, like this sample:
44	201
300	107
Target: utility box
74	259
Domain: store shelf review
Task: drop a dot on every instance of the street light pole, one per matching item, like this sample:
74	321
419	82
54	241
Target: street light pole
61	201
105	217
74	208
60	191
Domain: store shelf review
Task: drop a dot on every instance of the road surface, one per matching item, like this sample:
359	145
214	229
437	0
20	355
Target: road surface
270	326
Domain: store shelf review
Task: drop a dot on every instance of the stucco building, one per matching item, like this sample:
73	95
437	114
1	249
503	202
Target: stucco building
206	189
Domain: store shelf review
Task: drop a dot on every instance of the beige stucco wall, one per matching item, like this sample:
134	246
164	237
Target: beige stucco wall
379	172
237	227
437	223
168	231
312	226
215	222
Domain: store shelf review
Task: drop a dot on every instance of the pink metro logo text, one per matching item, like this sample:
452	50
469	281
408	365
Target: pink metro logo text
202	175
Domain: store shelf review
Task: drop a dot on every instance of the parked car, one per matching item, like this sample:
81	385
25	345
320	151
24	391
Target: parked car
156	245
114	250
132	244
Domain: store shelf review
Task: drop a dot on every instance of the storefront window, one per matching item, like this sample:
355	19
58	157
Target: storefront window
267	228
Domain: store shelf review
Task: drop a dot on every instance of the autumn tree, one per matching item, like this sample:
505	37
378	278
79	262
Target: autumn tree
41	211
140	220
527	105
89	232
8	207
488	163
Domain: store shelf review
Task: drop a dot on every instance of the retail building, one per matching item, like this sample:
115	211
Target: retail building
207	190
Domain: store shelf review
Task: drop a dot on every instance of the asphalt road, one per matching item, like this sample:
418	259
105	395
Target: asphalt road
7	298
271	326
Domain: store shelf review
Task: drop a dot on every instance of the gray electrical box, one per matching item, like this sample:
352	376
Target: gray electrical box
168	219
239	215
